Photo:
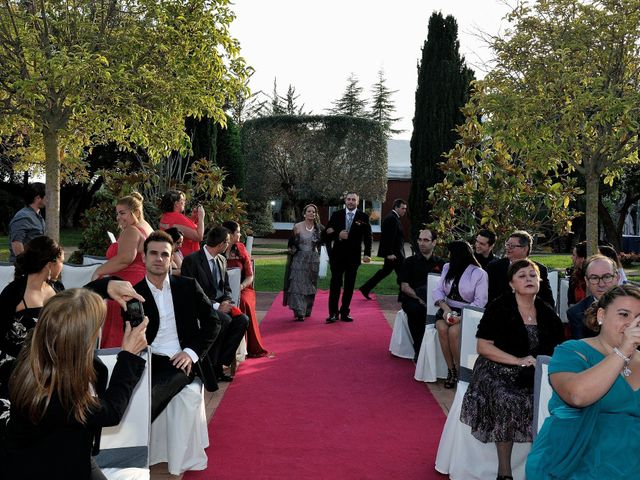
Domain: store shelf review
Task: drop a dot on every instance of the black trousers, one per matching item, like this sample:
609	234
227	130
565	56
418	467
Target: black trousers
387	267
342	275
223	351
417	319
166	383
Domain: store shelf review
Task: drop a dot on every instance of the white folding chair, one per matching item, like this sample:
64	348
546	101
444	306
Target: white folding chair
431	364
563	300
234	275
401	343
124	448
249	244
92	259
6	274
460	454
76	276
552	275
542	392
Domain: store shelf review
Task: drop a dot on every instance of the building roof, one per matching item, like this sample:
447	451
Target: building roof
399	159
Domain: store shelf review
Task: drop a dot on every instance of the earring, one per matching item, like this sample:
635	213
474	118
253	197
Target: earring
49	275
513	290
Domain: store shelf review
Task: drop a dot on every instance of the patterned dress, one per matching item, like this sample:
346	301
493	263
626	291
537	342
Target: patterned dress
303	267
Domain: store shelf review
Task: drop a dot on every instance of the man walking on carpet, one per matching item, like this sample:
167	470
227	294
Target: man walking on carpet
346	231
391	246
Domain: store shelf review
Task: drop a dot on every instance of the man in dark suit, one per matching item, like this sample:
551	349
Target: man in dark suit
601	273
391	247
483	247
209	267
182	325
346	231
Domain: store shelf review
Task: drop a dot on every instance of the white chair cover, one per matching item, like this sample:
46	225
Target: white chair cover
76	276
460	454
234	275
6	274
542	392
179	434
431	364
553	282
401	343
249	244
563	301
91	259
324	262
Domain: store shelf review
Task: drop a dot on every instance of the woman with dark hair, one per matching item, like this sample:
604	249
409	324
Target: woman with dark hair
176	257
514	330
37	270
577	283
462	283
172	205
59	399
303	264
238	257
593	430
609	251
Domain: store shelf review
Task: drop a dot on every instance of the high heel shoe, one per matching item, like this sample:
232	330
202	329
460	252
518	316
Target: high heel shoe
450	382
504	477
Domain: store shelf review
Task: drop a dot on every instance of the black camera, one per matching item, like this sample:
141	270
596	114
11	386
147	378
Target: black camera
134	314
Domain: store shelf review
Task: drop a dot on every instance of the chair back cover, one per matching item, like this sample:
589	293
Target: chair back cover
234	275
6	274
553	282
542	392
468	343
76	276
432	282
563	300
91	259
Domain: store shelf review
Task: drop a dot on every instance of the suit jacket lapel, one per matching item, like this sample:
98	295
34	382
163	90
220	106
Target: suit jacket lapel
206	266
150	309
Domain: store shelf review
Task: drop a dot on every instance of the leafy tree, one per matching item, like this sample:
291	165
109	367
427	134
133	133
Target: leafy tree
382	107
84	73
566	90
443	88
291	102
229	154
277	108
351	102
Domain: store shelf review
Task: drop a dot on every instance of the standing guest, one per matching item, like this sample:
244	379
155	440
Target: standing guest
59	395
238	257
209	267
609	251
177	257
593	431
27	223
36	281
514	330
124	260
462	283
391	247
518	247
346	231
577	284
483	246
303	264
600	275
413	285
172	206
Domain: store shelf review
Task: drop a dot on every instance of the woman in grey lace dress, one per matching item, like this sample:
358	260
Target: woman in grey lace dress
303	264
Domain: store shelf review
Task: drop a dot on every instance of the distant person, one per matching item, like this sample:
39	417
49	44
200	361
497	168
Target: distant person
172	206
27	223
577	285
346	231
609	251
391	247
303	264
483	247
177	257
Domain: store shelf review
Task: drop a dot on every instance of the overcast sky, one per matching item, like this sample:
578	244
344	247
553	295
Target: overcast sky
315	46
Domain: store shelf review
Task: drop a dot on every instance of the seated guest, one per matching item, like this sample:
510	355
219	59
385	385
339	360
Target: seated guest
593	430
209	267
172	206
59	395
515	328
413	284
177	257
600	274
483	247
462	283
518	247
577	286
238	257
36	280
609	251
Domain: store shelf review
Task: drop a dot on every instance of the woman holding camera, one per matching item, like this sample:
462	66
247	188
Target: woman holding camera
462	283
172	206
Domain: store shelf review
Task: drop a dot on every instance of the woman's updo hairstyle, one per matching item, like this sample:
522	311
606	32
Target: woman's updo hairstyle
134	203
169	199
231	225
36	255
518	265
607	298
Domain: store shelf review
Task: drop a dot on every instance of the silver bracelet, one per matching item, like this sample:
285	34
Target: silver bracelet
626	371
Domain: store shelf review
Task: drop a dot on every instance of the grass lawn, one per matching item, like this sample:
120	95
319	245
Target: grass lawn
68	238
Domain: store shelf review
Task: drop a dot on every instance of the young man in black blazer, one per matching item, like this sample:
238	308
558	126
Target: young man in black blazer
391	247
346	231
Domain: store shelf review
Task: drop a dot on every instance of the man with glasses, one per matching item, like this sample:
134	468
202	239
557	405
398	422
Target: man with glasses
517	247
413	284
601	273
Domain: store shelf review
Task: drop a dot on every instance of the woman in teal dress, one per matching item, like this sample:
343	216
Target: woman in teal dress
593	431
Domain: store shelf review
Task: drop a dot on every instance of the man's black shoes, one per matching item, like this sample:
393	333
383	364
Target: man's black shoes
365	293
346	318
332	319
223	377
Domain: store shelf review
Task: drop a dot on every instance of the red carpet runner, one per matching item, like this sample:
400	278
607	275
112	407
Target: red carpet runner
332	404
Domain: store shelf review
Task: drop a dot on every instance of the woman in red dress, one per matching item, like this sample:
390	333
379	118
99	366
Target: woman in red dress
124	261
238	257
172	206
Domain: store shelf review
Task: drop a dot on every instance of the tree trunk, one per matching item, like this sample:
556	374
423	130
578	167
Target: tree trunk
610	228
52	171
592	182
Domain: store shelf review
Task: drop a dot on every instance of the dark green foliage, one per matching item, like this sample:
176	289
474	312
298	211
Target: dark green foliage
351	103
203	138
229	154
382	107
443	88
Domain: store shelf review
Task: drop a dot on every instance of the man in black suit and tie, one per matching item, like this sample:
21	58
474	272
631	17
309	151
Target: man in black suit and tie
517	247
209	267
391	247
346	231
182	325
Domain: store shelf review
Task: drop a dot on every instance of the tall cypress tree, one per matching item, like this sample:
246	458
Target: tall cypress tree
443	88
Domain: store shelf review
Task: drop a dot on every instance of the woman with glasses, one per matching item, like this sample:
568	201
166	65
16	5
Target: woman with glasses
593	431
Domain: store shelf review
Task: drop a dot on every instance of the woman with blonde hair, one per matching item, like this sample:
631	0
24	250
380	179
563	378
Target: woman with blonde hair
59	399
124	260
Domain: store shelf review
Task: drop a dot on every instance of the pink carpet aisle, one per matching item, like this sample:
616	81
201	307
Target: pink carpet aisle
332	404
